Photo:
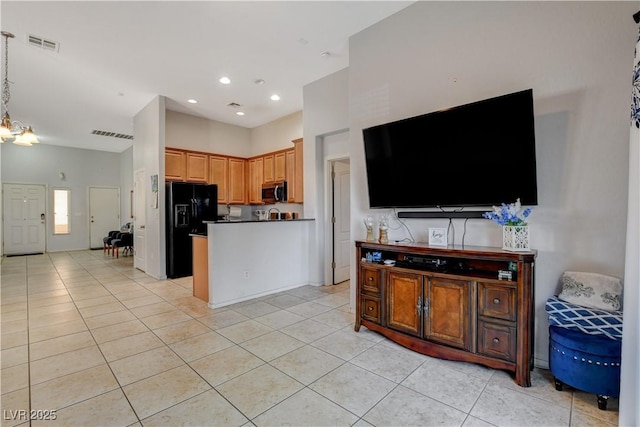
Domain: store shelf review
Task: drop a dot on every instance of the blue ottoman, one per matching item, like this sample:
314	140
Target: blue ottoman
586	362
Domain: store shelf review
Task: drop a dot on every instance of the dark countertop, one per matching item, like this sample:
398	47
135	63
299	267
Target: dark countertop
257	220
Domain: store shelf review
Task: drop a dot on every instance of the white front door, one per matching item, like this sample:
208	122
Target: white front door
24	219
139	212
104	214
342	221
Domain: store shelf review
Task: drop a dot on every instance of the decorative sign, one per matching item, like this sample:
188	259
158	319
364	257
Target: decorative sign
437	236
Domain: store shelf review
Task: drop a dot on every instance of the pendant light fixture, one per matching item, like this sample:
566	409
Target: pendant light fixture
12	129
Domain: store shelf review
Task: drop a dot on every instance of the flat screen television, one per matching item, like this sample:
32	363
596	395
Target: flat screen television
478	154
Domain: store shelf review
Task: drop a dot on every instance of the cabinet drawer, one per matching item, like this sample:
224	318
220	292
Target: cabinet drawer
497	301
370	308
370	280
497	340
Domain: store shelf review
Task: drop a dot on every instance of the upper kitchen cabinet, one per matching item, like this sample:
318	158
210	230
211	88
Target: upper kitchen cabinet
269	174
197	167
237	181
295	177
219	175
256	178
279	163
175	165
229	174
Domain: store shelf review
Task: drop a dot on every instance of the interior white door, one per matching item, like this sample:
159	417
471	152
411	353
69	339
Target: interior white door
139	212
24	224
104	214
342	221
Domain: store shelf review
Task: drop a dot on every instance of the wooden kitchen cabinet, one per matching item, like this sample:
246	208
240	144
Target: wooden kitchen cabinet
255	177
197	167
237	181
200	267
448	302
175	167
298	172
279	164
219	175
269	174
290	170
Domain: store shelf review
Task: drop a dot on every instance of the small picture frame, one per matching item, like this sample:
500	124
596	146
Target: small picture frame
437	236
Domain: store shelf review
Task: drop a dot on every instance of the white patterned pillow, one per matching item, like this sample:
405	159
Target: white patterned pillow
592	290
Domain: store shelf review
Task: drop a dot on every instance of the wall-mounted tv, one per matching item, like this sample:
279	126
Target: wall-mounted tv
478	154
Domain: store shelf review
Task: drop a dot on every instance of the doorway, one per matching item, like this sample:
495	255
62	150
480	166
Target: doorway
104	214
341	219
24	225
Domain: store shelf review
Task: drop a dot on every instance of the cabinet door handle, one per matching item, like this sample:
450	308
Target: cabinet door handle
370	308
419	306
496	340
496	300
370	279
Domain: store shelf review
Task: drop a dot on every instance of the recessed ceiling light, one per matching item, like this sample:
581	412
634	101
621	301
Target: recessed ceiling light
192	101
275	97
225	80
240	113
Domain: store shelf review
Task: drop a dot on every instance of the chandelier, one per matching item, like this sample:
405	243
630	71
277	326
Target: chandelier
12	129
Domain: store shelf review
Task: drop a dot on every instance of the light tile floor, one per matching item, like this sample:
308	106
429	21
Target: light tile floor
101	343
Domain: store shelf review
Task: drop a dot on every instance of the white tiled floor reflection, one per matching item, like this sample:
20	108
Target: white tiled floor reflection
101	343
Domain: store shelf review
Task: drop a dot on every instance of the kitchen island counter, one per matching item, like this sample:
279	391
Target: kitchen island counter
244	221
248	259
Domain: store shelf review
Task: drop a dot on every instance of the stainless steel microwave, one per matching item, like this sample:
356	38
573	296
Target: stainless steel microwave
274	192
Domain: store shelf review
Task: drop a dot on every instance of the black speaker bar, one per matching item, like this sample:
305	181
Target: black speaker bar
456	214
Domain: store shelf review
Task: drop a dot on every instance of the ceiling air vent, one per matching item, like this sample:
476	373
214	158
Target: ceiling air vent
112	134
42	43
233	105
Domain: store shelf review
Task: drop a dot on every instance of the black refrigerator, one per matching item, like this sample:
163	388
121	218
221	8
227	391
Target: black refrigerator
187	206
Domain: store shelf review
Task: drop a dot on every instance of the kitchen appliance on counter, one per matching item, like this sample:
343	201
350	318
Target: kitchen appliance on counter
274	192
187	205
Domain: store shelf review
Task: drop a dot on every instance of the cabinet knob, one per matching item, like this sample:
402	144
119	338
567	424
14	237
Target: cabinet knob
370	308
370	279
496	340
496	300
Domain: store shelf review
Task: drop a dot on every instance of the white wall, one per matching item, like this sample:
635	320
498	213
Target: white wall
196	133
148	154
126	180
630	369
326	112
276	135
42	164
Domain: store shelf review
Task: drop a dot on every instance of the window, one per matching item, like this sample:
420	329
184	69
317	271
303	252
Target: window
61	208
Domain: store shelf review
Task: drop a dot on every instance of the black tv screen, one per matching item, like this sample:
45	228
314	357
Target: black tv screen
478	154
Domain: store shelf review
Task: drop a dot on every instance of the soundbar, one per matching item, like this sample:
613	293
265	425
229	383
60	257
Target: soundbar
454	214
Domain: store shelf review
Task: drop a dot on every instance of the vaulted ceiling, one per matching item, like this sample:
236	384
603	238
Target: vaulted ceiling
92	65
